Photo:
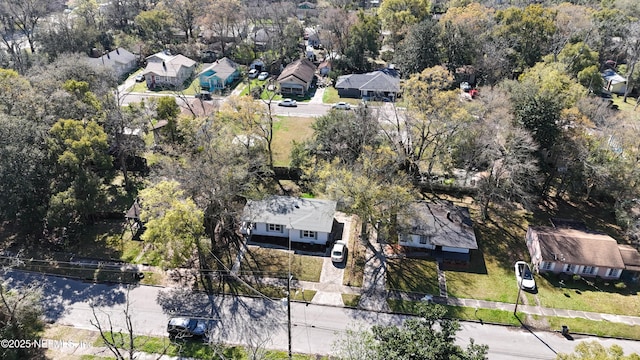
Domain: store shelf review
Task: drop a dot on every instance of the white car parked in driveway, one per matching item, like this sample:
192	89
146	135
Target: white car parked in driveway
263	76
524	277
339	251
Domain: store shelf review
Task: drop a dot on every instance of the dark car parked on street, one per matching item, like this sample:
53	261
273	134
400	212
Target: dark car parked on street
182	327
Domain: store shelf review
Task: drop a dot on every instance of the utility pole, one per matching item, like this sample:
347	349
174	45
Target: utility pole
288	291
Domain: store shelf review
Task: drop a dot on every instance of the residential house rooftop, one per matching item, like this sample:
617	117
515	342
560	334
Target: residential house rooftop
447	224
291	212
302	69
579	247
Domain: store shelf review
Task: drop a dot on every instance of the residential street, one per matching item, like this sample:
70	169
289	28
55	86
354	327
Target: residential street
250	320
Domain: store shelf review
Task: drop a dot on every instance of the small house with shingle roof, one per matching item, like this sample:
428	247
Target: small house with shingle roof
300	220
164	70
297	77
440	228
217	76
120	61
373	84
579	251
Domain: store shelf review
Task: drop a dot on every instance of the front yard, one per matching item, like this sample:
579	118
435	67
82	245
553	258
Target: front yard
274	263
412	275
331	96
288	129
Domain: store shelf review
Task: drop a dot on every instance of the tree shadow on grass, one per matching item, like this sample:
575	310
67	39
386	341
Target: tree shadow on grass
476	264
412	275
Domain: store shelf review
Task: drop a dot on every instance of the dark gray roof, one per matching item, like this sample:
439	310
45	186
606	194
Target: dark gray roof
291	212
374	81
447	224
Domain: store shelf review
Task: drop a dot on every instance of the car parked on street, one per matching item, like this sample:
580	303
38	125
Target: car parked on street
524	277
341	106
183	327
339	251
288	103
263	75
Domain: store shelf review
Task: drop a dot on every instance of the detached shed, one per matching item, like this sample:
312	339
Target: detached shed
614	82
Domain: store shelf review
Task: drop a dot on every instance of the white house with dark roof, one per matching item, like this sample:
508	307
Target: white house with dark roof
164	70
579	251
373	84
301	220
444	229
120	61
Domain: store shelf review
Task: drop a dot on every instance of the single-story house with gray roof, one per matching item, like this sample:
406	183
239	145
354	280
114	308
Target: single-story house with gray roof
300	220
442	228
120	61
373	84
219	75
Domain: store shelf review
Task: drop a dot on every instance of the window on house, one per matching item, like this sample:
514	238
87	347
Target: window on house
613	272
570	268
589	270
305	234
275	228
424	239
547	265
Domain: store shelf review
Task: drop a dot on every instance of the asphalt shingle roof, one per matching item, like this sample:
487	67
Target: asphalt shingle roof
302	69
374	81
169	67
223	68
291	212
579	247
446	224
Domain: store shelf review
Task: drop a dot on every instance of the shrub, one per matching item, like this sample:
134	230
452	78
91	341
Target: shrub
620	285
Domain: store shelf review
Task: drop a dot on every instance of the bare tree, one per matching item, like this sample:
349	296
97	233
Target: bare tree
121	343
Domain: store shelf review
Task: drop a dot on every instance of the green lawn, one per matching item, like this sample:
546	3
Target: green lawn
286	130
460	312
191	88
595	296
412	275
350	300
275	263
331	96
496	284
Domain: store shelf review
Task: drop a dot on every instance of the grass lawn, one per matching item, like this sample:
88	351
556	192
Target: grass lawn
304	295
191	88
598	328
356	259
600	296
350	300
288	129
275	263
460	312
496	284
627	107
412	275
331	96
197	350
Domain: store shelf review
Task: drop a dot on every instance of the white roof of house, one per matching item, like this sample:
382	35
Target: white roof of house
613	77
117	56
291	212
170	67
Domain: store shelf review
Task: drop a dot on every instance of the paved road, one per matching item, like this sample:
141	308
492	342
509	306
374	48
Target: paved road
249	320
302	110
